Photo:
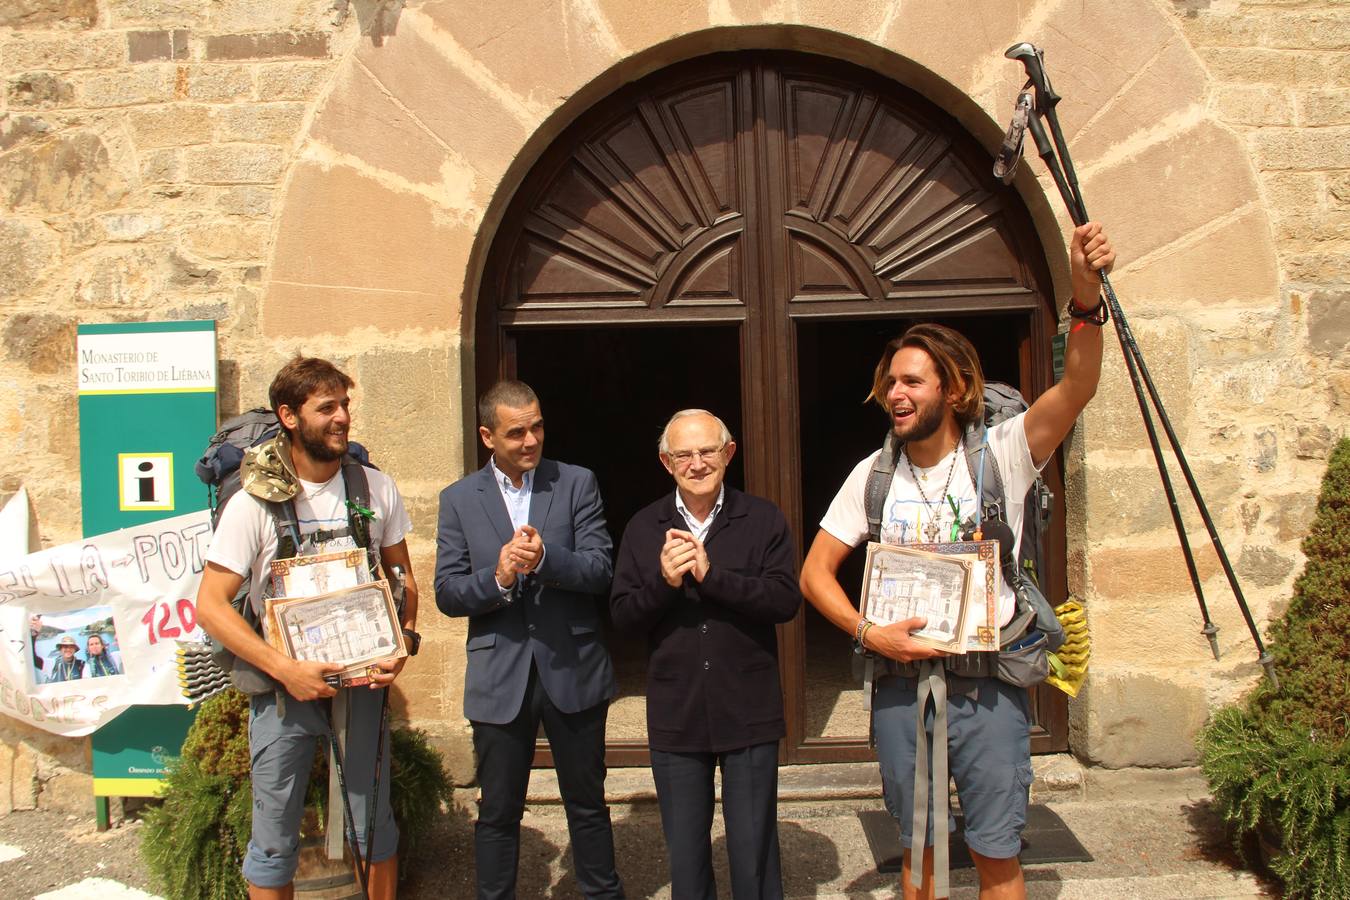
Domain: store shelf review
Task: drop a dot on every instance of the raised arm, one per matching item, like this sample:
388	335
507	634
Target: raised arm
462	590
773	595
1049	419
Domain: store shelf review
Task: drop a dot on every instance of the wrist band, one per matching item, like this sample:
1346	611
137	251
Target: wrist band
1096	315
859	634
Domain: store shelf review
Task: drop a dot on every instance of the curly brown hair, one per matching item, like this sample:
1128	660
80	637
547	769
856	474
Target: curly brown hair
301	378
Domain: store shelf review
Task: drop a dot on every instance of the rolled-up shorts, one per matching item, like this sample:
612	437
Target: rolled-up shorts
989	757
282	749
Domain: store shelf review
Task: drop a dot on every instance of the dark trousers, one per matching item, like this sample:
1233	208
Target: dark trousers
684	789
504	753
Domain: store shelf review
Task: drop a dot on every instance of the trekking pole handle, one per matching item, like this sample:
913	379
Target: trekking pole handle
399	585
1032	59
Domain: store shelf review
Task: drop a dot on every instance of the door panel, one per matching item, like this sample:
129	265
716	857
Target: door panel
816	207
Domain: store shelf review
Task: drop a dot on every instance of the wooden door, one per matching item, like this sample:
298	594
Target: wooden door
814	209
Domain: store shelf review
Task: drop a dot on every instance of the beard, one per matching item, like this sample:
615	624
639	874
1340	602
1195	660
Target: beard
313	440
925	423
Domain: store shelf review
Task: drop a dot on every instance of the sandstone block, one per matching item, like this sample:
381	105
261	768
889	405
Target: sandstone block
233	164
1309	30
1318	266
214	83
1112	420
62	52
230	241
16	129
158	13
24	780
1295	190
1132	719
484	123
1329	107
27	249
1211	29
409	255
148	46
1323	148
1244	104
119	278
130	226
161	166
41	90
1316	441
637	26
170	125
270	15
69	173
273	45
1129	573
1129	499
1263	566
67	791
274	123
1288	68
143	84
359	119
291	81
1292	515
1329	323
394	385
43	13
43	342
552	50
245	200
1188	181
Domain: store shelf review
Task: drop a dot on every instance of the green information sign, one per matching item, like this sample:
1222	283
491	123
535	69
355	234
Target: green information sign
147	408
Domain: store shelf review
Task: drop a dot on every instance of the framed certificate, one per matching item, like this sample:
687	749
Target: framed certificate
982	617
353	627
901	582
309	576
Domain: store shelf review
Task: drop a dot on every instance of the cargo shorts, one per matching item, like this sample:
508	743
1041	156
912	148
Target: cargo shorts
282	749
989	757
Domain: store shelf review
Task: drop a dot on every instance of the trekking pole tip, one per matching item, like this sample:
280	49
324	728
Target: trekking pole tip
1211	631
1268	663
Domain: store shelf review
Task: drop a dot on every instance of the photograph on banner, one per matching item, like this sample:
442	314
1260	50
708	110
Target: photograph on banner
93	627
70	646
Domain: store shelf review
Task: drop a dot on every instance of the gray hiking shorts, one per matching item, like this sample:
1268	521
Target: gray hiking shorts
283	750
989	754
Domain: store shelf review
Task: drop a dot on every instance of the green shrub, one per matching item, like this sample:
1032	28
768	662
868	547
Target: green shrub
1281	761
194	843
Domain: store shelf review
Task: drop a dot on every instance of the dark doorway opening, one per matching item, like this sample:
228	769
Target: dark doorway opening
605	394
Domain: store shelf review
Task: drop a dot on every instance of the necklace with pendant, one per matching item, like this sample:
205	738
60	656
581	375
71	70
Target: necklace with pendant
932	530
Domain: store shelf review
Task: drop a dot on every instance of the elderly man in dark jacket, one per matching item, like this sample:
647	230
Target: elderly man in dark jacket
706	572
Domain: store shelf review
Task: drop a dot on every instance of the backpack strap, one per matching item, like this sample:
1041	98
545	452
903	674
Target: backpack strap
984	473
358	505
879	484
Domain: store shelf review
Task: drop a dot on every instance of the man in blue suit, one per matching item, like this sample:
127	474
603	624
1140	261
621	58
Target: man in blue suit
522	550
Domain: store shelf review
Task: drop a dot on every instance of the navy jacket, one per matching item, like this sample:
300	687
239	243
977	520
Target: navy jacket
551	616
712	683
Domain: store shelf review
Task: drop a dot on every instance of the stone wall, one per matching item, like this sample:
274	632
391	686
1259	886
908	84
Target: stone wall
329	181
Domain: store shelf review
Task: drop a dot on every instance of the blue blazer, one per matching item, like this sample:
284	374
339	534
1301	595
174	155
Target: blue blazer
551	616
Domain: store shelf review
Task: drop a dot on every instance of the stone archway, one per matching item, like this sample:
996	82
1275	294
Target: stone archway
417	146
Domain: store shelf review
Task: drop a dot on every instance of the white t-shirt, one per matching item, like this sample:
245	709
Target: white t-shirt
246	539
907	519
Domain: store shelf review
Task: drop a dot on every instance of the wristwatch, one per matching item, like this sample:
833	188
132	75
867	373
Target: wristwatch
413	641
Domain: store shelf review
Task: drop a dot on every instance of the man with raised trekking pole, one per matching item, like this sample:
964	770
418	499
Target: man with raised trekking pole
302	494
931	385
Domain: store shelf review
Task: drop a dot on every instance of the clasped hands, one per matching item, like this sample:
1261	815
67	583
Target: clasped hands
681	553
519	556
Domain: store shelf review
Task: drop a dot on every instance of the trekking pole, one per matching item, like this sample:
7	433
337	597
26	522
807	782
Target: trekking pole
400	598
1066	181
333	743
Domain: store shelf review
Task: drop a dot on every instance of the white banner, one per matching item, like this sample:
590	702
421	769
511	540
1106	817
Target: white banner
91	627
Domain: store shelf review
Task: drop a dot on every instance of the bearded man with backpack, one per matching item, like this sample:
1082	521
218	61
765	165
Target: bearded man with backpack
301	495
931	385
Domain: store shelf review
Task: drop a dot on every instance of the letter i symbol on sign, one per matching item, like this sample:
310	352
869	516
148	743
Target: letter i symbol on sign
145	481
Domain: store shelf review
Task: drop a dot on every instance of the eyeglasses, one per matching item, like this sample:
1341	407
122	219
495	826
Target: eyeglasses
685	457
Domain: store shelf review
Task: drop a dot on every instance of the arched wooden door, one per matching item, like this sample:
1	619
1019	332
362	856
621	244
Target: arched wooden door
743	232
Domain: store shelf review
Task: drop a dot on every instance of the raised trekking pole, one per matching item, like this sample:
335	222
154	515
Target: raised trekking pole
1066	181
